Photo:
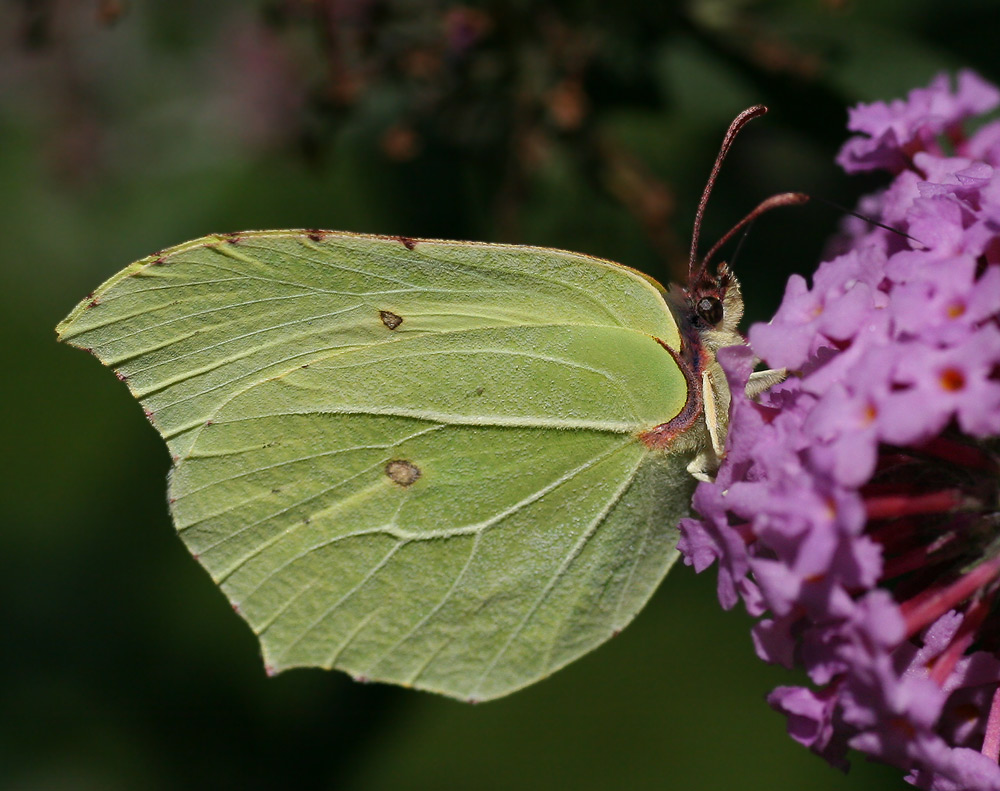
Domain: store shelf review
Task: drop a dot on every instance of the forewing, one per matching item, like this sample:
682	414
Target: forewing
415	461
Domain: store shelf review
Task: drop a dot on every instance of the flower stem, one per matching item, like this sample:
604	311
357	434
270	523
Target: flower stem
991	741
916	558
964	637
959	454
891	506
925	608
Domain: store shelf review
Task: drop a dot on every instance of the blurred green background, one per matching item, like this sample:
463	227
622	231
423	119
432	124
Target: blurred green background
126	127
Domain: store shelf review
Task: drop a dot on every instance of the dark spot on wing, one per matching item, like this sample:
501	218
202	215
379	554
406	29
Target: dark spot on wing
389	319
315	235
232	238
407	242
402	472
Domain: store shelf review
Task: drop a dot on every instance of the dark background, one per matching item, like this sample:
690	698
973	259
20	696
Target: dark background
128	127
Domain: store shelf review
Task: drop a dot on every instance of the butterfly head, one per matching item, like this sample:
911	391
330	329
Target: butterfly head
714	305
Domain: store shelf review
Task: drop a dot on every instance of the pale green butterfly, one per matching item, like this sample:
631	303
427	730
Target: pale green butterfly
447	465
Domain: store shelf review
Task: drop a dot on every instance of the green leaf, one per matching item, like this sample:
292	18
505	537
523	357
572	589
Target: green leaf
419	462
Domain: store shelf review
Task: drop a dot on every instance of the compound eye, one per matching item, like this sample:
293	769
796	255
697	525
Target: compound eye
710	310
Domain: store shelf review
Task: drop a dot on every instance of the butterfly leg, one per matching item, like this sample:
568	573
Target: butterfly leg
761	380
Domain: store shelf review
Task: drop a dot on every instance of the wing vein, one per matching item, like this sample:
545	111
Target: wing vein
429	615
462	530
202	349
571	556
333	607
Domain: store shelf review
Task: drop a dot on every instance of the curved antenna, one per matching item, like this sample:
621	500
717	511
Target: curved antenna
870	220
781	199
734	129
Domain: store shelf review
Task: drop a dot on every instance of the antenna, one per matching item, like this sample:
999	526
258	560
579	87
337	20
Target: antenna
781	199
869	220
734	129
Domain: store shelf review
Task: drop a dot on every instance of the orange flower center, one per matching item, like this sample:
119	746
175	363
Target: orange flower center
952	379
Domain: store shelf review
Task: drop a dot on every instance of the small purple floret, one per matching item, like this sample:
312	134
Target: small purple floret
894	132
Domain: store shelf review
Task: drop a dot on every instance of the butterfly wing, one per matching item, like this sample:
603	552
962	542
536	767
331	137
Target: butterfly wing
414	461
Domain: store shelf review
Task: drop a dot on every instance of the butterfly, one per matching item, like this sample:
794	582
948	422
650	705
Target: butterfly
447	465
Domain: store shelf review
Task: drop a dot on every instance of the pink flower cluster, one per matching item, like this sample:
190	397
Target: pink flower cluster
856	512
